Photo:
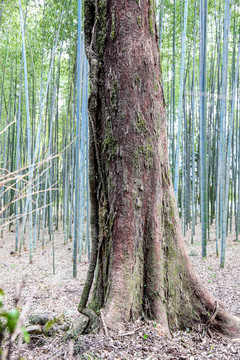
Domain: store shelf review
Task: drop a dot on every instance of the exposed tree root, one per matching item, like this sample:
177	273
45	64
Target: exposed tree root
93	322
212	312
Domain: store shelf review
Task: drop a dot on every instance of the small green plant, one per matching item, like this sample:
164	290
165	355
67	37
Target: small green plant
145	337
9	324
50	324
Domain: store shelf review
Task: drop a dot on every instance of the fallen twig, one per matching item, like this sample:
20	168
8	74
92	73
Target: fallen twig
104	324
131	332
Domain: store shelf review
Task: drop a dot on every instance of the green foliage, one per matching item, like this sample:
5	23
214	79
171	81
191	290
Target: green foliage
25	335
12	317
9	321
50	323
41	26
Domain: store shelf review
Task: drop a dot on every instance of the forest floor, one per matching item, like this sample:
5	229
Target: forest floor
59	294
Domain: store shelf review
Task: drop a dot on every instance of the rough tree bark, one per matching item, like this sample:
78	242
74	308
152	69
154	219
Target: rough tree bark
142	265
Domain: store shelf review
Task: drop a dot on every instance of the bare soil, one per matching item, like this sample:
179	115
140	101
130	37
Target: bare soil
60	293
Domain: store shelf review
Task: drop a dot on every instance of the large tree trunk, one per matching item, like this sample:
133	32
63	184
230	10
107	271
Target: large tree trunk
142	265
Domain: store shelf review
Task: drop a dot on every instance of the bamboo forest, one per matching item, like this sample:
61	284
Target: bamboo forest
48	52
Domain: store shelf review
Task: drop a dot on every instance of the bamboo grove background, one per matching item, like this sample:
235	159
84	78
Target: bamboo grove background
44	121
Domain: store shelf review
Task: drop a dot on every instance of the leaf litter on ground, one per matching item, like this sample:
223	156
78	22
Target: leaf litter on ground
60	294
